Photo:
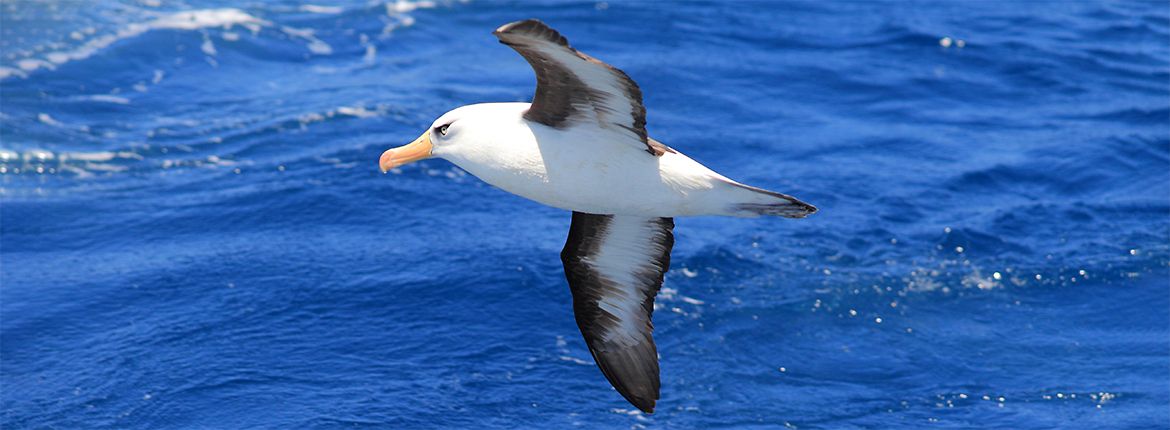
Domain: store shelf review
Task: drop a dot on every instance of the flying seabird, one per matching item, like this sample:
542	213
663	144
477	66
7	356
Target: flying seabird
582	146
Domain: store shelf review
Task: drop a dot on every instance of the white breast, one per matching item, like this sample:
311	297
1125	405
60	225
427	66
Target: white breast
585	169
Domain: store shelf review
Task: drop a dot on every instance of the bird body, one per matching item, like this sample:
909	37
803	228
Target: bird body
582	145
604	176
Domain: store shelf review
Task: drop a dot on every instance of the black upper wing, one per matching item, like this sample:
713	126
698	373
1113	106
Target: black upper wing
574	88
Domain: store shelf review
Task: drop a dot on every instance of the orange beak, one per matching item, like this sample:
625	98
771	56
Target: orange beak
414	151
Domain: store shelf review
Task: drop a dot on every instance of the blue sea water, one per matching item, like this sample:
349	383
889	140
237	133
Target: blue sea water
194	232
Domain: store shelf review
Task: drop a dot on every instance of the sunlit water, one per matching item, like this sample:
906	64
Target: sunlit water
195	232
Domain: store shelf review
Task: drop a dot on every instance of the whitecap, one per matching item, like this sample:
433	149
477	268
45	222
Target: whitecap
206	18
47	119
327	10
356	111
404	6
187	20
5	72
31	64
316	46
398	10
207	47
104	98
370	55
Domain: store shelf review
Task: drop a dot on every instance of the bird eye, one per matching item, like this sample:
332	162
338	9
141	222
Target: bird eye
442	129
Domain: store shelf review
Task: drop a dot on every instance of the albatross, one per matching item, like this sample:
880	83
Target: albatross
581	145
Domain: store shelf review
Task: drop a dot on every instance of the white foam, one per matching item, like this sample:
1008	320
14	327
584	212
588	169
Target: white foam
90	156
371	54
575	360
398	9
356	111
5	72
225	18
207	47
327	10
30	64
205	18
316	46
39	155
404	6
187	20
46	119
105	98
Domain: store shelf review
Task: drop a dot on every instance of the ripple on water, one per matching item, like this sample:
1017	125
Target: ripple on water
195	232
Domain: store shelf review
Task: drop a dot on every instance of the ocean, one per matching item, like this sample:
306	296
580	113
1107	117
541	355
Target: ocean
194	232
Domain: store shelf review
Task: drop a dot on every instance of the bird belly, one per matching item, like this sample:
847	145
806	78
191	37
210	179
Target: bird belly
617	180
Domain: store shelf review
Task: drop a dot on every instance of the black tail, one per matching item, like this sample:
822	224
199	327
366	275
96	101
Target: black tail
764	202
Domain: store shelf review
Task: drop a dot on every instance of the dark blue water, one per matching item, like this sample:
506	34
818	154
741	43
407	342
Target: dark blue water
195	233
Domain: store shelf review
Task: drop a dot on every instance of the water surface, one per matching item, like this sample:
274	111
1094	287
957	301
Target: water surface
195	233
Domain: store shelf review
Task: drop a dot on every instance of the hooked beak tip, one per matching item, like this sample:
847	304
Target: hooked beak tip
417	150
386	162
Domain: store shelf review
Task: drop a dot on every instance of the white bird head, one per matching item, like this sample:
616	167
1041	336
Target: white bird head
462	130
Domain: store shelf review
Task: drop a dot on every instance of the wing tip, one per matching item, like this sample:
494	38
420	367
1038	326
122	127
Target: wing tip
530	28
633	373
645	402
644	405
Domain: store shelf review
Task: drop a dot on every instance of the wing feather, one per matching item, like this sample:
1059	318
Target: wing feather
574	88
615	265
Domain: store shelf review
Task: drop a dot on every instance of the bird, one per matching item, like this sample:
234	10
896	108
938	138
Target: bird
581	145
